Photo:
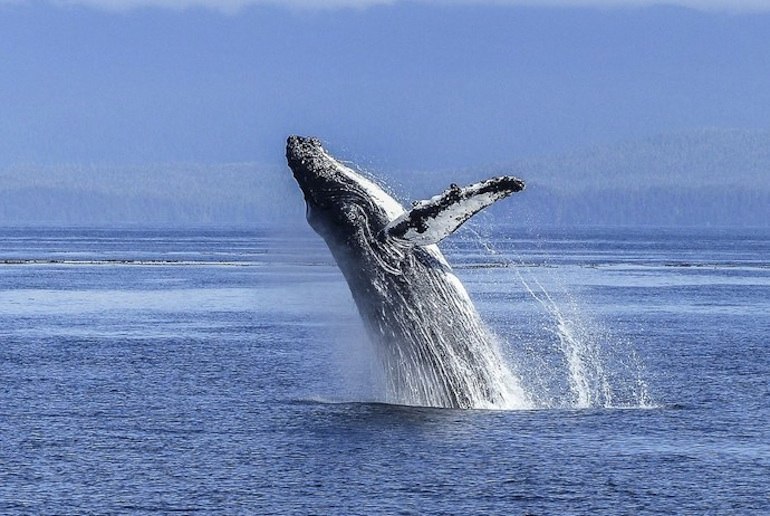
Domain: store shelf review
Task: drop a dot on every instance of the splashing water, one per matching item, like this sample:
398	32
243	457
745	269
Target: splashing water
600	370
589	383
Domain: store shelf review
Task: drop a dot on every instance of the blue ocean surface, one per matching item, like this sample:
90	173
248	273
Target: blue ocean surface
227	372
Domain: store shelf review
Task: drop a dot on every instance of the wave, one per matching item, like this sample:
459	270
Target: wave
129	262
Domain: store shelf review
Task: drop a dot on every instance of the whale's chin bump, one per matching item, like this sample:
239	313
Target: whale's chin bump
433	346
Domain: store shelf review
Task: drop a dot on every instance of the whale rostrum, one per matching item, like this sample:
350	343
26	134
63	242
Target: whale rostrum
434	348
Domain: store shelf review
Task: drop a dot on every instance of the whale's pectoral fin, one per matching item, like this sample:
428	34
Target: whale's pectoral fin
432	220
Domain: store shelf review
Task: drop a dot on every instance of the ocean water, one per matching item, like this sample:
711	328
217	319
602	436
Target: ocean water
226	372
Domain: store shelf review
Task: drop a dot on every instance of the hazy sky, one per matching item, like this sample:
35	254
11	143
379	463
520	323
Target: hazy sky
392	83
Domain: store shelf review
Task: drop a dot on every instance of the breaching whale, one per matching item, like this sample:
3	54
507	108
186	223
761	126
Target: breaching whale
430	339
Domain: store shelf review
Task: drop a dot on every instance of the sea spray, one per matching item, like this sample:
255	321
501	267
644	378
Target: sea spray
573	360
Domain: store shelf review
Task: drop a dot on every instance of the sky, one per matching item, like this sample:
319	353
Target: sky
390	84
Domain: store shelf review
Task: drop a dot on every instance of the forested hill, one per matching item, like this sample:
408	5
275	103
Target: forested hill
164	195
703	178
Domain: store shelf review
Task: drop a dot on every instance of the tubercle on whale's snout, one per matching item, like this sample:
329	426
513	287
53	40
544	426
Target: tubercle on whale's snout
302	155
299	146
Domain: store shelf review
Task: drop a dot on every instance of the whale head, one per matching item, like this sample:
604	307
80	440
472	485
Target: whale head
343	206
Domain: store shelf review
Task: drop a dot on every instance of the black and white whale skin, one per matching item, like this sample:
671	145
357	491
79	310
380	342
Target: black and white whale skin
433	345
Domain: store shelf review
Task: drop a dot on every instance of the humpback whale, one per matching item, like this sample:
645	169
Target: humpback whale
429	337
